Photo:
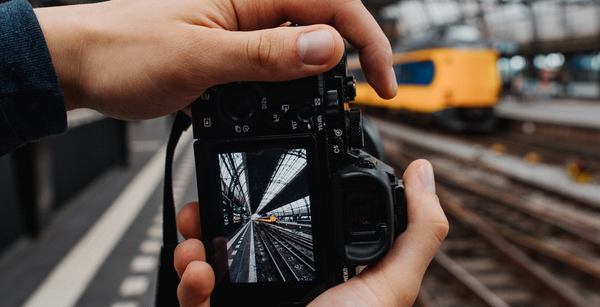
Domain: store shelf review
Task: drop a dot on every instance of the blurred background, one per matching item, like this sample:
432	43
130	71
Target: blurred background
503	97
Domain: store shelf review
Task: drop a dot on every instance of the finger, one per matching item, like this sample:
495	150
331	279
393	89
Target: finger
413	250
188	221
186	252
278	54
197	282
349	17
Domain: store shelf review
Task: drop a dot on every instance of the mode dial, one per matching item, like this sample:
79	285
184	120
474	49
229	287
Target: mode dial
356	140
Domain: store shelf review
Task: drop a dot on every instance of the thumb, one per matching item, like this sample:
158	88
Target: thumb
413	250
395	280
277	54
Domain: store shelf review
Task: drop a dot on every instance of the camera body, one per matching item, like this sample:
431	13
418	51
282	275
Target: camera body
290	203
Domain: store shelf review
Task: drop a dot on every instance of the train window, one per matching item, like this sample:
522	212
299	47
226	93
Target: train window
415	73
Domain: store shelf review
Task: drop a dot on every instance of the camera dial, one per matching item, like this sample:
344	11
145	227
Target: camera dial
305	112
240	102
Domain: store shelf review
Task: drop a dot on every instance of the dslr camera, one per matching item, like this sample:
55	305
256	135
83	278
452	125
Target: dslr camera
290	203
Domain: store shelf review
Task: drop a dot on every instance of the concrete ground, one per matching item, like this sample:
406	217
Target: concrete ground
102	249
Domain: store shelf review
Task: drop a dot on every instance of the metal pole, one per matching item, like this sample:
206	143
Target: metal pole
534	45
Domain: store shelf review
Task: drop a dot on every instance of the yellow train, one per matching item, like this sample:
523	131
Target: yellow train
268	219
458	87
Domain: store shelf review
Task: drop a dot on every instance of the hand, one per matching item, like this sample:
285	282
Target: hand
136	59
393	281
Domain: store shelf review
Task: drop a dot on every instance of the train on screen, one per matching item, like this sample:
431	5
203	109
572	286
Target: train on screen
268	219
455	86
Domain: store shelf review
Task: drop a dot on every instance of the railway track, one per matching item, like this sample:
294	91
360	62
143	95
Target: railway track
504	248
553	144
284	257
305	228
295	239
551	180
548	150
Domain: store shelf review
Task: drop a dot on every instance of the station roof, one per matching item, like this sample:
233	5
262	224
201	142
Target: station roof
528	25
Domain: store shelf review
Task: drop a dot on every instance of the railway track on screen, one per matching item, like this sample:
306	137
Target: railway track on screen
286	256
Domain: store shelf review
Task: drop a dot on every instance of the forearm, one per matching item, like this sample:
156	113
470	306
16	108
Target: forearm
65	31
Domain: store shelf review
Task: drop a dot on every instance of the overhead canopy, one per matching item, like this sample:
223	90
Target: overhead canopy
523	22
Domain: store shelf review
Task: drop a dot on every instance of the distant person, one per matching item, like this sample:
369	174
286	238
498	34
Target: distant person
133	59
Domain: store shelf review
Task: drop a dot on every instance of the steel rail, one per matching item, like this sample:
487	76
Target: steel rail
482	292
529	242
260	235
278	251
554	286
304	258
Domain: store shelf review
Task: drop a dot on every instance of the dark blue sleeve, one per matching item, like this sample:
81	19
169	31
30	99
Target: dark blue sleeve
31	102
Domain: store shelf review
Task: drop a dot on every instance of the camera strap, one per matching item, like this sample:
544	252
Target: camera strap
168	280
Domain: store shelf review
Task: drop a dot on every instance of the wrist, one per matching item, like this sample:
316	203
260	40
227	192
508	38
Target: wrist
65	37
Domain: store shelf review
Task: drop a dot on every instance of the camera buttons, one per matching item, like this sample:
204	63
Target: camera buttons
305	112
207	122
350	88
241	129
332	99
240	102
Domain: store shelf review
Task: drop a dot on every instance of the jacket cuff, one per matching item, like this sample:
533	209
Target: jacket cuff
31	101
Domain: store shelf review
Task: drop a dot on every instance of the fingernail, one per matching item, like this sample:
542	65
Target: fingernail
394	83
426	176
315	47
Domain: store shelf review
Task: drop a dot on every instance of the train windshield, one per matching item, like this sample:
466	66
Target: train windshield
415	73
267	215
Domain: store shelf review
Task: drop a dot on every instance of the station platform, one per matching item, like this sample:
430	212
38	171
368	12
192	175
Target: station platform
102	249
240	250
565	112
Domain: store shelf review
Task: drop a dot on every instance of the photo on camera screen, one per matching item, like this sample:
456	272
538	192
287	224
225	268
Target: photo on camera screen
267	215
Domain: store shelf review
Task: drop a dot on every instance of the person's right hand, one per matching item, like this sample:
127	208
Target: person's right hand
394	281
137	59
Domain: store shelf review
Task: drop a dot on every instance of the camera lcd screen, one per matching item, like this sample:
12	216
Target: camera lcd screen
266	215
